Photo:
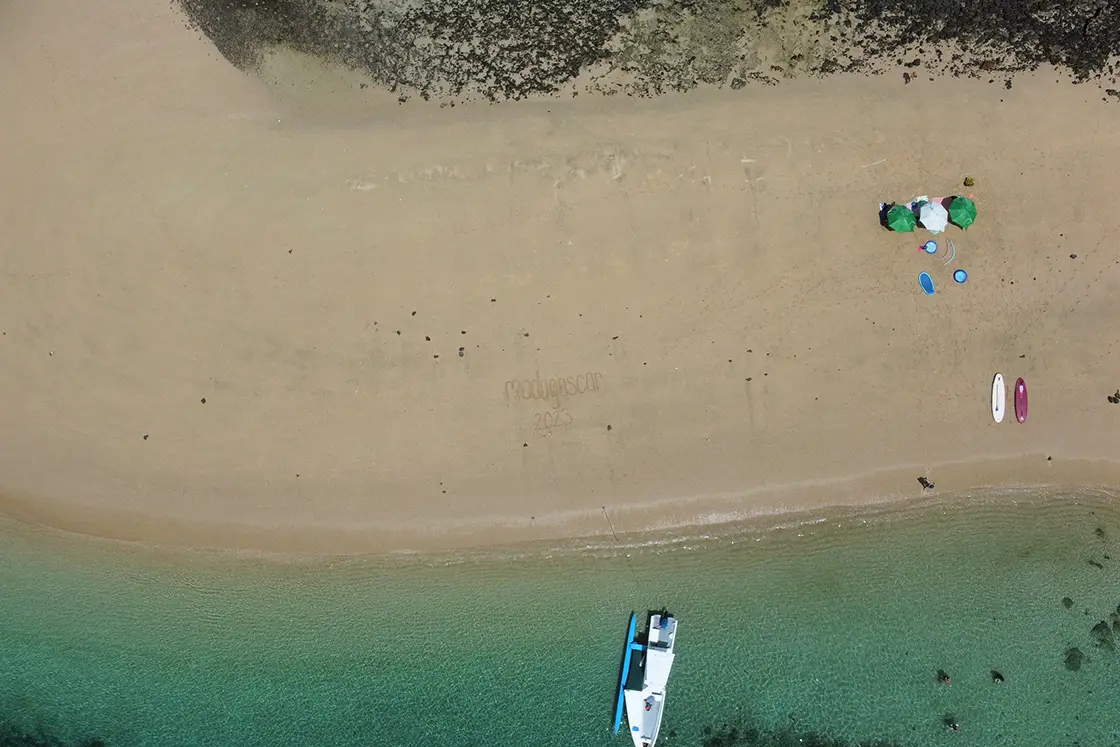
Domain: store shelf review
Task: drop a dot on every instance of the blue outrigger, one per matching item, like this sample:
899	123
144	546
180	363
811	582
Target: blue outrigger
632	647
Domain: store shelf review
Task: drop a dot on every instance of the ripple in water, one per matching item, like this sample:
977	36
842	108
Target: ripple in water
828	630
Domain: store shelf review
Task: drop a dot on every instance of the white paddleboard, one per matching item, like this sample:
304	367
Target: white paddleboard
999	398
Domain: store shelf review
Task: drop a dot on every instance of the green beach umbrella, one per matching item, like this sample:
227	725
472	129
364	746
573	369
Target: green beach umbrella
901	218
962	212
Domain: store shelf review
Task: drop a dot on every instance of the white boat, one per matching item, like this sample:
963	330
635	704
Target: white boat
645	682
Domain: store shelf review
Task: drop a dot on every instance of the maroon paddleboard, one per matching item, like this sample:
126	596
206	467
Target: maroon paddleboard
1020	400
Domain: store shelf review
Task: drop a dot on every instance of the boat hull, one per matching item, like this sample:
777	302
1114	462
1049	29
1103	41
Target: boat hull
645	687
644	711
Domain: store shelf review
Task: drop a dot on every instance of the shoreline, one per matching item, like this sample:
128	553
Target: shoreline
888	490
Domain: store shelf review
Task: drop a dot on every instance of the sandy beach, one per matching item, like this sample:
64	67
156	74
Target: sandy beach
285	312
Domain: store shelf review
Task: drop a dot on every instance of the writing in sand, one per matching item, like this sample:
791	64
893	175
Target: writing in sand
553	390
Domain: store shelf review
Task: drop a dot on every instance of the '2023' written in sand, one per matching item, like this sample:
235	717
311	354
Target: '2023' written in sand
552	391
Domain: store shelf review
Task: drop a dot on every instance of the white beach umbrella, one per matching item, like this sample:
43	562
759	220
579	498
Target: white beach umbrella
933	217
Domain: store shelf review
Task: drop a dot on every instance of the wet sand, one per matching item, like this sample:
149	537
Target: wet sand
283	311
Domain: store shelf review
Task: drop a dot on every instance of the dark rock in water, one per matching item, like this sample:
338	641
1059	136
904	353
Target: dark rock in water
12	736
1099	531
750	736
1074	657
813	739
1067	602
1102	633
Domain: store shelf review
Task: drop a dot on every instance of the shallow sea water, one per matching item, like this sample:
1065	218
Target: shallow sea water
822	633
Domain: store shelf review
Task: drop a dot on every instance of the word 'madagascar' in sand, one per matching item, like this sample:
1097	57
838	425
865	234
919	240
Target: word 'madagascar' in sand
552	390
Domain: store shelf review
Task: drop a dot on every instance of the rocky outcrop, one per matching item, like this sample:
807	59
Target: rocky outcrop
1073	659
1102	636
509	49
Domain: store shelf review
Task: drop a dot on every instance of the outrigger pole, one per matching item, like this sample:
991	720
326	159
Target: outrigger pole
631	646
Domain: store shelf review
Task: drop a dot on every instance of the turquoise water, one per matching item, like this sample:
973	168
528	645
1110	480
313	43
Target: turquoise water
828	632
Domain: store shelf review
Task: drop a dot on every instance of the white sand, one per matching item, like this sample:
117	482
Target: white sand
174	230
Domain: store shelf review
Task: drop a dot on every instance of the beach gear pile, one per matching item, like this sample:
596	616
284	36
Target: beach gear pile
933	214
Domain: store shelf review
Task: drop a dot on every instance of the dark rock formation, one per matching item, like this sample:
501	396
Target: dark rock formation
1073	659
729	735
509	49
1102	635
494	49
1067	602
13	736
